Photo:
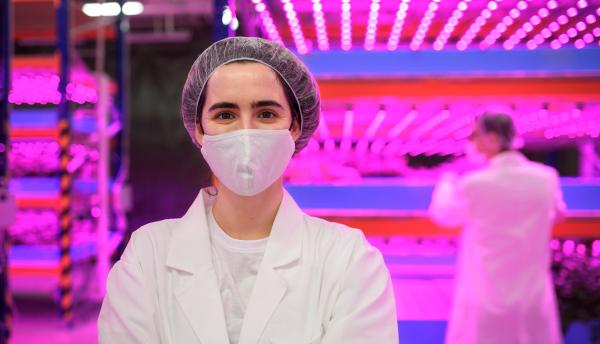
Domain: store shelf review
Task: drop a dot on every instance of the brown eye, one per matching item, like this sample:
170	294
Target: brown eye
224	115
267	115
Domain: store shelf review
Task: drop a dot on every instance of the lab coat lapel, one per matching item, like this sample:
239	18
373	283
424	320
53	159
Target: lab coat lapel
284	247
198	294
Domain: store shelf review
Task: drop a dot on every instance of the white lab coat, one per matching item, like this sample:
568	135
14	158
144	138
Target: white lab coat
504	290
319	282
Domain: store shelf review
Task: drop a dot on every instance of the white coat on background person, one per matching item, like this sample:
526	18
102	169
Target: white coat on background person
244	264
504	289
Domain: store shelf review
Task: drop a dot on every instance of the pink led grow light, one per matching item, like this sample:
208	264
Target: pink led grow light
320	28
424	26
430	124
40	90
371	35
294	23
397	27
446	32
267	21
400	126
346	37
375	124
480	21
528	26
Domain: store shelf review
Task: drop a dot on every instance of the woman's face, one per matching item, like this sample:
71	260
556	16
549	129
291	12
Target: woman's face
245	96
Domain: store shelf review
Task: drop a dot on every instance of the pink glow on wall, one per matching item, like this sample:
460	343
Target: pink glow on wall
396	31
38	90
400	126
295	28
320	28
475	27
371	35
424	26
446	32
267	21
346	20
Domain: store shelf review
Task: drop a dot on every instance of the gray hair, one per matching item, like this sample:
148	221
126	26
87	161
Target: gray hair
288	67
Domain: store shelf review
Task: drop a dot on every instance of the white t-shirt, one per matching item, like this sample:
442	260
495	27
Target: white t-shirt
236	264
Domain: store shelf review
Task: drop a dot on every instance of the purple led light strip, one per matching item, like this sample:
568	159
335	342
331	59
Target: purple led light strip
528	26
397	27
508	20
320	28
481	20
442	38
424	26
267	21
346	37
574	32
371	34
294	23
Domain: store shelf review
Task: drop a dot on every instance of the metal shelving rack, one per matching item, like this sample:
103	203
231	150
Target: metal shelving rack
34	260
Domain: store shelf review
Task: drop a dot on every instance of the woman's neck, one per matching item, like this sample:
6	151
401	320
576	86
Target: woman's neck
247	217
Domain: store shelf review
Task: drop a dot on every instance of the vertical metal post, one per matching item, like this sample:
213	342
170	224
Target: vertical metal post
6	50
103	265
120	165
64	139
122	79
220	31
6	46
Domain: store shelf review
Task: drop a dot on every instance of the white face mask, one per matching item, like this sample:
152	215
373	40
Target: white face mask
250	160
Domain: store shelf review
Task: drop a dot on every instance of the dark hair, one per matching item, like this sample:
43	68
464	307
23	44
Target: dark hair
287	91
500	124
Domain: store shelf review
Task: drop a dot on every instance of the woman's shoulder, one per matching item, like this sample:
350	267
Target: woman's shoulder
153	239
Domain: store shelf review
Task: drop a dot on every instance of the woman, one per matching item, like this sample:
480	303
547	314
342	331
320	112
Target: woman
244	264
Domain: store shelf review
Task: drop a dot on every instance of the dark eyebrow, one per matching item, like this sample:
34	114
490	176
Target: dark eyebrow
224	105
263	103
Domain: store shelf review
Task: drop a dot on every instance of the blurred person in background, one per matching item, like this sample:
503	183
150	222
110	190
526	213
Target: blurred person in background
245	264
504	288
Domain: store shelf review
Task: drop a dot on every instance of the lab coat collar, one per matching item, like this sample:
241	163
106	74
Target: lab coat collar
509	157
189	249
199	294
283	248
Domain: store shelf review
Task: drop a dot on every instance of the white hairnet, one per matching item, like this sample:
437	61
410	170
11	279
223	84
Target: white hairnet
271	54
